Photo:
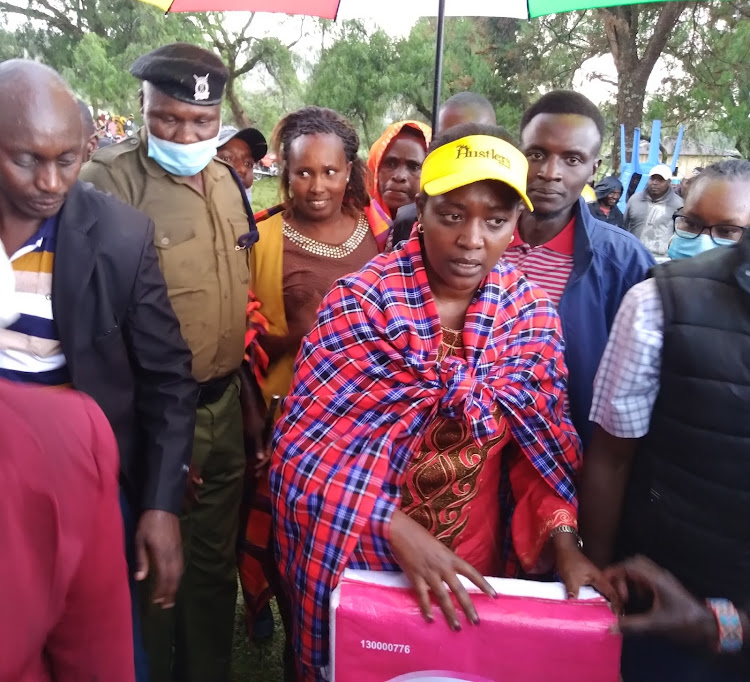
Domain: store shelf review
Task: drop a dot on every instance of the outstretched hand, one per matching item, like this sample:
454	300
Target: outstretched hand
430	565
674	612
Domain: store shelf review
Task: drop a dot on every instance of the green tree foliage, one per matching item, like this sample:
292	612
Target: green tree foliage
467	63
354	77
244	52
93	42
712	84
8	45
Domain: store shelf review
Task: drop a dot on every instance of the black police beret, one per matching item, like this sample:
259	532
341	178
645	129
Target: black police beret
185	72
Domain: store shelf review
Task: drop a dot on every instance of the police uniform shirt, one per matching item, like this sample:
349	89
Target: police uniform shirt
195	237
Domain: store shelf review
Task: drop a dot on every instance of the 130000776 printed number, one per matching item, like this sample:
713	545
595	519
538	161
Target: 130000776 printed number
386	646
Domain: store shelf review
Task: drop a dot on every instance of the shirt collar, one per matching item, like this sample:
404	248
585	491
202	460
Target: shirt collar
562	243
47	230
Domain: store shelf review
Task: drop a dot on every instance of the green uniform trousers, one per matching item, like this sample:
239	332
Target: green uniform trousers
193	641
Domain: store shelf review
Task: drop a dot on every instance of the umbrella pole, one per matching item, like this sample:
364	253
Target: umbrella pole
438	84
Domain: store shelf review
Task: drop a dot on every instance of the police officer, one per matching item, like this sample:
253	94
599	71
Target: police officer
169	172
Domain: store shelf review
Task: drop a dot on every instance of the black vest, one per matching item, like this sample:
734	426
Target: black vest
688	503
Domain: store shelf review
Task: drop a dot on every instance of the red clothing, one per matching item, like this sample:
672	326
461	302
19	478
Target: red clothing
547	265
452	487
368	384
65	614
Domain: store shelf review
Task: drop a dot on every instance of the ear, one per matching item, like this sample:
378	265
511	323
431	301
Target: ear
420	200
91	146
349	169
595	169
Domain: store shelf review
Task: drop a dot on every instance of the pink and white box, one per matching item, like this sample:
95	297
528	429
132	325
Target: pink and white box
530	633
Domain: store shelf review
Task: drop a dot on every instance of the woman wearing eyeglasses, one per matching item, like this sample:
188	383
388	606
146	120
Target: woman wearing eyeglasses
667	474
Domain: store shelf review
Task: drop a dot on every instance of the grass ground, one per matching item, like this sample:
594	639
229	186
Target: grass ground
257	662
265	193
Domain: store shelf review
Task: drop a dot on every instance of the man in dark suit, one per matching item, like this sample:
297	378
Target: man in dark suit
94	311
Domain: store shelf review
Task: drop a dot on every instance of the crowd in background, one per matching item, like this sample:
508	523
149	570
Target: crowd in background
440	360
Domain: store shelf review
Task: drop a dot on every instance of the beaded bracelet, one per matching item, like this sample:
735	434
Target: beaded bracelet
730	626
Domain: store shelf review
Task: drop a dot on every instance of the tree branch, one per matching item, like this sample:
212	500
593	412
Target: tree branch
289	46
56	20
247	25
664	26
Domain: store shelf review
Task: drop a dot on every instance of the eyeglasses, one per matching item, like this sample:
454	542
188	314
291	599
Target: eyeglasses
690	228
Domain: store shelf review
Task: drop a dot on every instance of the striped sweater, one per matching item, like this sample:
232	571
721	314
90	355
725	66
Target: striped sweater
30	349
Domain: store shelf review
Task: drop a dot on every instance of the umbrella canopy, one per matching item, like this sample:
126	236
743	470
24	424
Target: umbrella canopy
357	9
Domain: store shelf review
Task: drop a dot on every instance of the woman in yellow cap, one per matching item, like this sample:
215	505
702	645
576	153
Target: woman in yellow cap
426	430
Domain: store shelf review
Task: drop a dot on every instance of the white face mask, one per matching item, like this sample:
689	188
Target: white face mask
8	306
182	159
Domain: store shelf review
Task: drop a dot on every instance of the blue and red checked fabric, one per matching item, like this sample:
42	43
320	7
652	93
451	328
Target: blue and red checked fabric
368	384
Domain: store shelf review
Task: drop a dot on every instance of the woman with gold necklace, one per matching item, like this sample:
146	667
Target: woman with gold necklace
329	228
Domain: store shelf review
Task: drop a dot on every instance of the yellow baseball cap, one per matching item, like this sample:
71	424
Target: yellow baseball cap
472	159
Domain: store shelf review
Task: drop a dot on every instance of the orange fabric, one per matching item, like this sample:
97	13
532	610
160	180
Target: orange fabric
254	552
255	509
377	151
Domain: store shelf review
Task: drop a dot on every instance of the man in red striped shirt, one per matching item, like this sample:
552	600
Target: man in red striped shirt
585	266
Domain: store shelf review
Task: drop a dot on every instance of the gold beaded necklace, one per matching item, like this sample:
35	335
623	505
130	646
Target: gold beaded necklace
329	250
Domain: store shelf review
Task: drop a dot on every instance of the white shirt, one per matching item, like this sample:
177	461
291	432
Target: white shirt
628	379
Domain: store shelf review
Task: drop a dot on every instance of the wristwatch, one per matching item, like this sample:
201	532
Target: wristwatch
567	529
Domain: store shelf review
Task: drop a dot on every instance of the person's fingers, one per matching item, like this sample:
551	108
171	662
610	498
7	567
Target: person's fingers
641	571
573	584
141	558
638	624
463	598
604	586
423	598
171	584
468	571
168	570
158	590
619	583
444	601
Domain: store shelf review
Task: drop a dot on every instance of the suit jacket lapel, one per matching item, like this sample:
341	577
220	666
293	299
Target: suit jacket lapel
74	262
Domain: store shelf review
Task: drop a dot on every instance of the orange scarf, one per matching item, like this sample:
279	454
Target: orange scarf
377	152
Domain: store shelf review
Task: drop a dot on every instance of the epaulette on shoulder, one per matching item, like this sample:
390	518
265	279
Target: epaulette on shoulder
107	155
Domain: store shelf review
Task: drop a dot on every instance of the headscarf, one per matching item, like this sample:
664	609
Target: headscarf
377	151
607	186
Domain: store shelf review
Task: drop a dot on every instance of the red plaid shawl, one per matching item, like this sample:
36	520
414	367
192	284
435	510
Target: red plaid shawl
368	384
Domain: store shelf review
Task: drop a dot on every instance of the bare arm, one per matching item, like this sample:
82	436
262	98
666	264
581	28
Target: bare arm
276	347
606	468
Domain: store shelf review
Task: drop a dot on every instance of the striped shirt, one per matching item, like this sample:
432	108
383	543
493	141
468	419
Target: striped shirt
30	349
547	265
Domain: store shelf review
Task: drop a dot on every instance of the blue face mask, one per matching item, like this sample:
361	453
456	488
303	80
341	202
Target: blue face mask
687	247
182	159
